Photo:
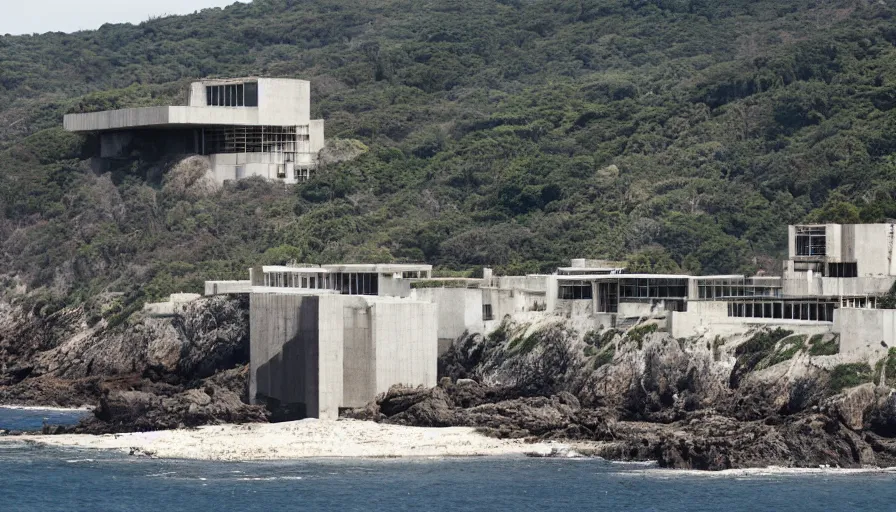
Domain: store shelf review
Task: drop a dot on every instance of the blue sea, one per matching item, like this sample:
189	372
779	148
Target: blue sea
49	479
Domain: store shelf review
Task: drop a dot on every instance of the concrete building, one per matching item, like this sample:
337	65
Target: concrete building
246	127
833	271
833	260
333	336
388	280
316	352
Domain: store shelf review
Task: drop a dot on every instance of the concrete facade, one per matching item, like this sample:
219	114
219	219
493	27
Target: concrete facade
267	132
866	330
459	311
315	353
173	306
227	287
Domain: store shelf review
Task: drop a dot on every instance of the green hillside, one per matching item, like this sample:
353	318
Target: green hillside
678	134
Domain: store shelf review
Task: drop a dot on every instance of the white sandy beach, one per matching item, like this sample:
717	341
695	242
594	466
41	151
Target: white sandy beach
303	439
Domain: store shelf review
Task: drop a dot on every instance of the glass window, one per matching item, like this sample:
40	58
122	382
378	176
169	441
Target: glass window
251	94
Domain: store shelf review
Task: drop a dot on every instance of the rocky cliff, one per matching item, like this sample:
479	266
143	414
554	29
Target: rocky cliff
771	398
145	373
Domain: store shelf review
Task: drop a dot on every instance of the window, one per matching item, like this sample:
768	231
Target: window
487	312
232	95
811	241
843	270
656	288
251	94
575	291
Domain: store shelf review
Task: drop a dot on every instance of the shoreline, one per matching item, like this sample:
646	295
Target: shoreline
305	439
83	408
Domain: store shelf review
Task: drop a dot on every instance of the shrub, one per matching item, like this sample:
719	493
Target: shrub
787	349
763	341
637	333
849	375
604	358
819	347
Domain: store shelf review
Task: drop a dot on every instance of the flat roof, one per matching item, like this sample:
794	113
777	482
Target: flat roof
603	277
377	267
294	270
386	268
585	269
165	117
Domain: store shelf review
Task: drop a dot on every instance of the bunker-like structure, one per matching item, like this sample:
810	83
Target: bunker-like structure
314	352
245	126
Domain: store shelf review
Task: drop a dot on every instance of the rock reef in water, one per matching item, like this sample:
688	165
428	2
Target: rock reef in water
688	404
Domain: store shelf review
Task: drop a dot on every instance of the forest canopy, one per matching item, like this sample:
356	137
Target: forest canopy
681	135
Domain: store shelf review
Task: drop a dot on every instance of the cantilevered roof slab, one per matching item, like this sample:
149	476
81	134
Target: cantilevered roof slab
160	117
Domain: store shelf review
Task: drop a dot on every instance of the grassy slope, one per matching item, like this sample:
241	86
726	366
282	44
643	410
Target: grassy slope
682	134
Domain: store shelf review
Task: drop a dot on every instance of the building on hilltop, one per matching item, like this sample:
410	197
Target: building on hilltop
246	127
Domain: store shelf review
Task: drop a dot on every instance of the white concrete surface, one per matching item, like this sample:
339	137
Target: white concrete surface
710	318
863	330
321	352
227	287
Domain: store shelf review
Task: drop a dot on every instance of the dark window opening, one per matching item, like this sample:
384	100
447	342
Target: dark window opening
487	312
608	297
843	270
233	95
575	291
251	94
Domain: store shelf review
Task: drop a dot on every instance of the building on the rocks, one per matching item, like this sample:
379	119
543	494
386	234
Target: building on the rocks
245	126
333	336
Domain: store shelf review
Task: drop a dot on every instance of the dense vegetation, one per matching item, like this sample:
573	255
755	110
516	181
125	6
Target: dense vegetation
678	134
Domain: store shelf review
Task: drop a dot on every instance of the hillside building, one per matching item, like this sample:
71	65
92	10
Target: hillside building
246	127
331	336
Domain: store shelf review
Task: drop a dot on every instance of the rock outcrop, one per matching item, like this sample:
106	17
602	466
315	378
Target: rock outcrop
647	396
145	374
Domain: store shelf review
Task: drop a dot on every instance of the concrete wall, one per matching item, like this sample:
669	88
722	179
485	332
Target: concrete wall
390	286
316	135
710	318
405	344
459	310
873	248
283	102
640	309
511	302
284	351
809	284
359	363
227	287
574	308
863	330
316	353
331	353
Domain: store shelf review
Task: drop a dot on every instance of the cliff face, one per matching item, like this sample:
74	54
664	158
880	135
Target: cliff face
143	374
750	401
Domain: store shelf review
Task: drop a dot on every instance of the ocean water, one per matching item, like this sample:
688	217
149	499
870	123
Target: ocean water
50	479
15	418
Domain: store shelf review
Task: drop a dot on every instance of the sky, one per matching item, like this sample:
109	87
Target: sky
39	16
